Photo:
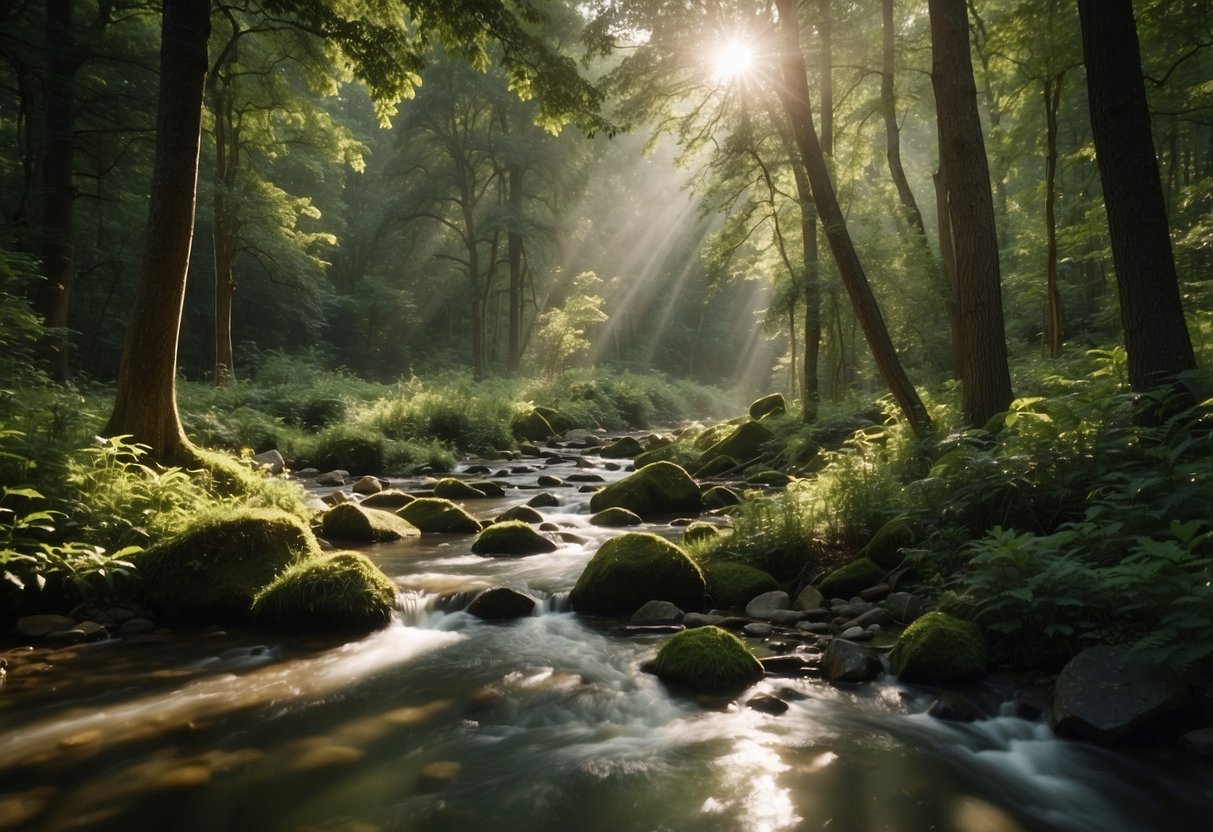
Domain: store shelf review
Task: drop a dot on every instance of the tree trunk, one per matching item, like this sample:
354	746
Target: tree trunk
888	104
947	259
58	266
1052	93
793	93
145	405
985	378
514	255
224	225
810	391
825	31
1151	312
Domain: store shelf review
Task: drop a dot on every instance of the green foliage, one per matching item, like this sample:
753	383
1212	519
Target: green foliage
560	334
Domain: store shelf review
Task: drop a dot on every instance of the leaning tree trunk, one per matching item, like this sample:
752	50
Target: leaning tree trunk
145	405
985	378
793	93
1151	312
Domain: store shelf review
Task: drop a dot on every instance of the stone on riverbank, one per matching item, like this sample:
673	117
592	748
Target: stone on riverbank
743	444
434	515
633	568
512	538
707	659
847	662
849	580
343	591
352	523
533	427
625	447
211	571
720	496
940	649
656	489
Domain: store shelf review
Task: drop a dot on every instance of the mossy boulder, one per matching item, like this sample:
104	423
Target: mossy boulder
212	571
389	500
434	515
735	584
354	524
511	539
533	427
852	579
487	488
343	591
940	649
707	659
524	513
559	420
773	403
884	547
699	531
501	604
720	496
616	518
659	488
544	499
718	467
744	443
636	567
625	447
715	433
450	488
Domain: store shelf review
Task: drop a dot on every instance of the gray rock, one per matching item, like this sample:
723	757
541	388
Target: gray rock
819	614
848	662
1105	695
336	498
904	607
41	626
658	612
543	500
136	625
701	619
332	478
501	604
83	631
524	513
809	599
368	485
307	473
271	460
855	634
786	618
951	707
876	593
767	603
757	629
767	704
820	628
1199	742
852	609
549	481
874	616
792	664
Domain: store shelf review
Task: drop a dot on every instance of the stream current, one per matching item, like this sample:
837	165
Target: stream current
446	722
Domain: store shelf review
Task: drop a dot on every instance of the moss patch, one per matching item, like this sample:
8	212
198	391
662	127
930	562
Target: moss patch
735	584
212	570
342	591
940	649
355	524
636	567
434	515
389	500
720	496
744	443
699	531
707	659
623	448
849	580
450	488
659	488
512	538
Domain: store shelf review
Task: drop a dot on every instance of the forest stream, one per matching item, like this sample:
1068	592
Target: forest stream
445	722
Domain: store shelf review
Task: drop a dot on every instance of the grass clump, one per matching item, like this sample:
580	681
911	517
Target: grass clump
707	659
342	591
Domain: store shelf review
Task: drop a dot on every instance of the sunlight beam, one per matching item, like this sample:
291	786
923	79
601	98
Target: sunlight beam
734	59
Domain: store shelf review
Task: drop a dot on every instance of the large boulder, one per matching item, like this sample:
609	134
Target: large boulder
656	489
624	447
707	659
501	604
633	568
434	515
450	488
390	499
533	427
735	584
1106	695
852	579
743	444
939	649
524	513
343	591
616	518
212	571
720	496
354	524
773	403
512	538
847	662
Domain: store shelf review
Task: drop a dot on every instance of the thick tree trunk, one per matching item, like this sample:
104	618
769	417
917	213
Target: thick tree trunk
1151	312
794	95
1052	93
58	265
514	255
985	378
145	406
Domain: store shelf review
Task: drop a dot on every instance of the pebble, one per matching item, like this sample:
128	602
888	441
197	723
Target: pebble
757	629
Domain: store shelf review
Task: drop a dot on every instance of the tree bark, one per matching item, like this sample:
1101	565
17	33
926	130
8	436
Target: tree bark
1151	312
1052	94
224	224
514	255
888	105
985	377
145	405
793	93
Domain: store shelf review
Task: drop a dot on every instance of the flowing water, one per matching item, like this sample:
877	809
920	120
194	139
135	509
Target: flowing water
445	722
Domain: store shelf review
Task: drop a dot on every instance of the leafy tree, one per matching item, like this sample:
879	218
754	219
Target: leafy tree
561	332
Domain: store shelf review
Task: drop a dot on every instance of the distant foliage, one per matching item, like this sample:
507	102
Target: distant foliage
561	334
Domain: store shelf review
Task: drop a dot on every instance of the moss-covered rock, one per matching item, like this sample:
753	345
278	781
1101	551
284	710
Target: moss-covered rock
718	467
434	515
559	421
488	488
660	488
940	649
352	523
526	514
212	571
699	531
450	488
544	499
633	568
720	496
849	580
533	427
616	518
884	547
735	584
715	433
501	604
343	591
773	403
745	443
676	452
707	659
512	539
624	447
388	500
